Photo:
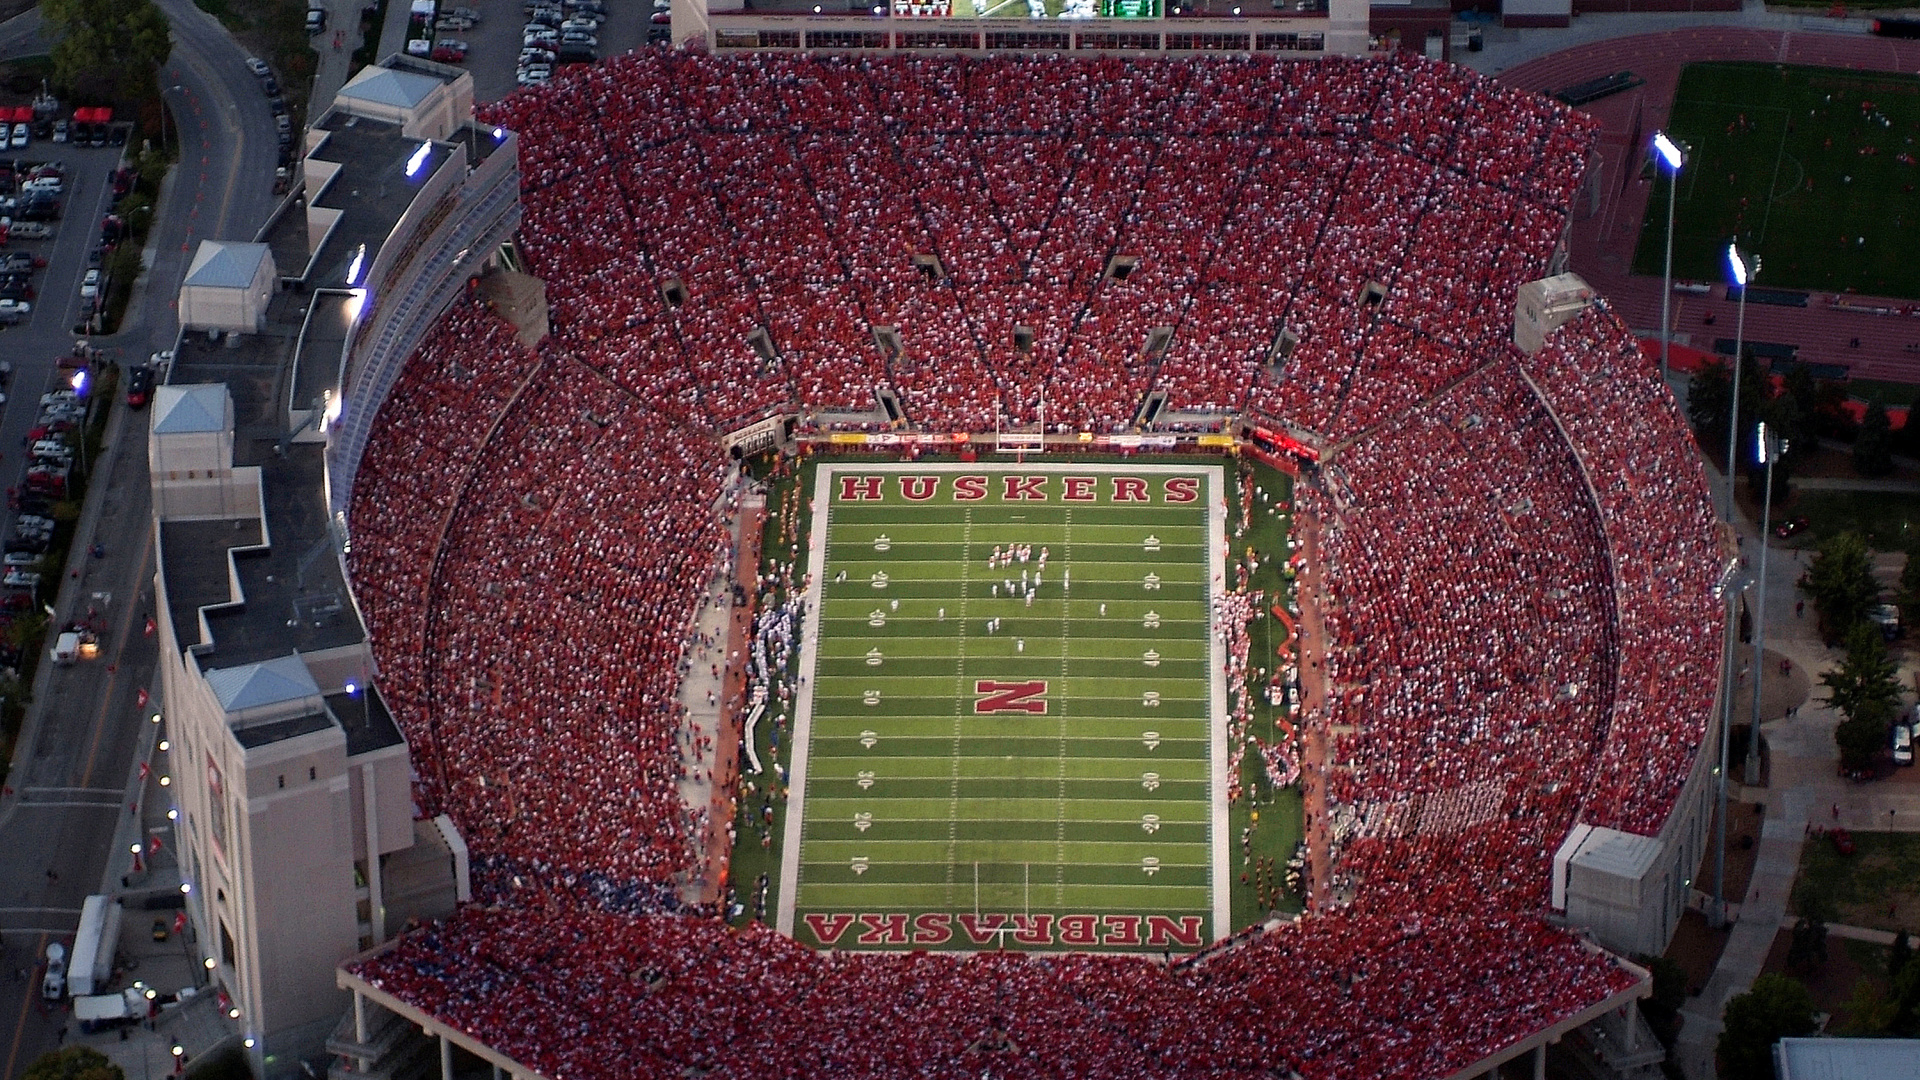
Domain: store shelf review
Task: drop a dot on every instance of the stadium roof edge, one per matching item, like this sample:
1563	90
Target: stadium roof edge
432	1026
1553	1033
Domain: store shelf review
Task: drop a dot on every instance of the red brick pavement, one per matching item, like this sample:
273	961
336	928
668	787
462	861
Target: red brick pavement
1607	226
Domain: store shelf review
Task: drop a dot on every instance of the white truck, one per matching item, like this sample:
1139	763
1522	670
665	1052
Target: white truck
99	1012
66	648
93	946
53	985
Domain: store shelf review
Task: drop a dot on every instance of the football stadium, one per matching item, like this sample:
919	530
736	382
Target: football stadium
956	498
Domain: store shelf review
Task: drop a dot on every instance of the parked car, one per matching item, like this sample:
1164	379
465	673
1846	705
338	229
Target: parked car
451	22
61	130
90	285
139	386
21	136
1902	744
447	56
316	20
258	66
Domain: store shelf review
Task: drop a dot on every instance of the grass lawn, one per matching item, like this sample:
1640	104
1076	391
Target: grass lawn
1888	519
1813	169
1877	886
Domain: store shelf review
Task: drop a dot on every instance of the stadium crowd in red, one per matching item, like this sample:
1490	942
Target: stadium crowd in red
1517	548
570	992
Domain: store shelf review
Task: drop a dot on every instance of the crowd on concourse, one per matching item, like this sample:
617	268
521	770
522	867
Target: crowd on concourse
1516	551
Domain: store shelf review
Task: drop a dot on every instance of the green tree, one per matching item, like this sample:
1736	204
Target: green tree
1873	449
73	1063
1807	948
1860	739
1775	1008
1864	686
1906	1002
1708	393
1662	1007
1840	583
107	48
1869	1012
1909	594
1907	440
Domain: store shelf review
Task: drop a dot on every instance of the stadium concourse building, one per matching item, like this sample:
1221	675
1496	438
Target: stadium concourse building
296	821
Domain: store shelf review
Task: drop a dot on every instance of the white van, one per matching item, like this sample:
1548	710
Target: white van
1902	744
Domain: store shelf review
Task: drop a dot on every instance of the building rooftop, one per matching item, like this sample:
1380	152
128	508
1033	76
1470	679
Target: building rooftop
384	86
293	593
253	736
268	682
1847	1059
283	593
372	189
225	265
1614	852
364	716
180	410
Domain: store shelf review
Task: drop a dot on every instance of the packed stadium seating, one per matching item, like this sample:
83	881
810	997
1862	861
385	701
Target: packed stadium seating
534	531
579	993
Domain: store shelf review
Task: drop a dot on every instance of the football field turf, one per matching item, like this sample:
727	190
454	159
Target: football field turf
1004	754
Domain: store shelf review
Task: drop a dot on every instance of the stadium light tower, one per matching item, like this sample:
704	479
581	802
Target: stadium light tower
1675	157
1767	450
1743	271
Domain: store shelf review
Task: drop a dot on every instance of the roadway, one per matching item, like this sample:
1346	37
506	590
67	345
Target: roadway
64	815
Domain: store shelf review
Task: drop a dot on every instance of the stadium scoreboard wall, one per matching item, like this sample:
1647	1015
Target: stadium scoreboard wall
1025	751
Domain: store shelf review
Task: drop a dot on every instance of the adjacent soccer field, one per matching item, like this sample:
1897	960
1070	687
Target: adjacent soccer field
1813	169
1008	755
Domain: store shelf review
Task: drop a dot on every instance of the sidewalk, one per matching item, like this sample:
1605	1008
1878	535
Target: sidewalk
1761	913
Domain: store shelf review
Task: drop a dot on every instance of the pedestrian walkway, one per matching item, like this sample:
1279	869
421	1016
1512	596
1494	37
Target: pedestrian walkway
1761	912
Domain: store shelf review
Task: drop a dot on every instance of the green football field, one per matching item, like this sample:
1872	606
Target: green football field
984	760
1813	169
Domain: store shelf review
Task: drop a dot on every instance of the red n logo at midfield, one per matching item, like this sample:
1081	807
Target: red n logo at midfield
996	697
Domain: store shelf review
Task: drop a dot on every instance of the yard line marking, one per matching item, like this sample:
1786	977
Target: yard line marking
959	693
1060	823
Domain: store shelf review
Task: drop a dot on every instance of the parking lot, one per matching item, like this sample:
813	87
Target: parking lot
83	192
494	43
38	341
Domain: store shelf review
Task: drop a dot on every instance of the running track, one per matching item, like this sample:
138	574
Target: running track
1605	229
